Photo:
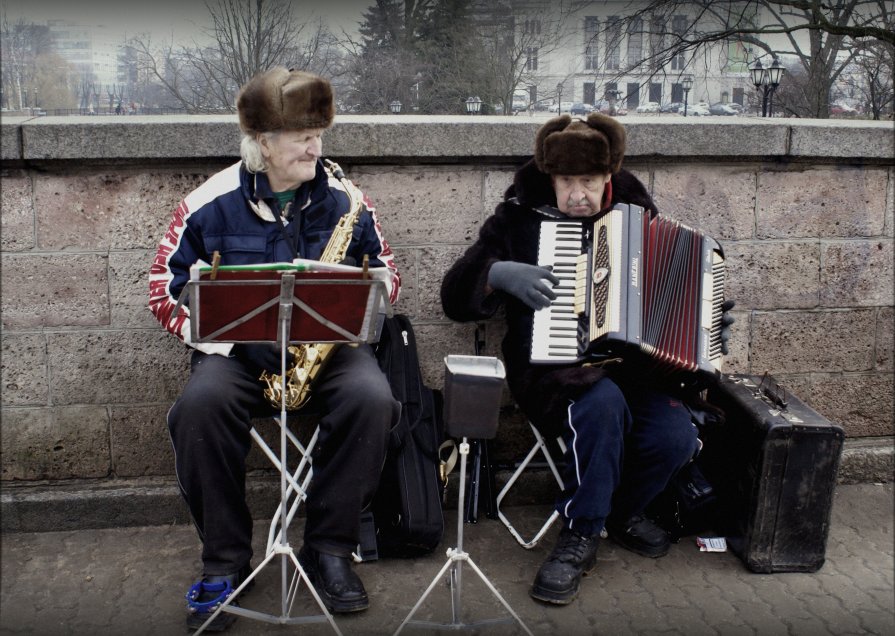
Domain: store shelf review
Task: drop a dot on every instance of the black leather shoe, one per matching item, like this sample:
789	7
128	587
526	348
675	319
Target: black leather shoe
640	535
559	578
211	591
340	588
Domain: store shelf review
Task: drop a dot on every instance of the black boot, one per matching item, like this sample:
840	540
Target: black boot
640	535
340	588
560	575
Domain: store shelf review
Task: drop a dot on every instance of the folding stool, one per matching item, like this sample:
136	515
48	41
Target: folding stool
539	445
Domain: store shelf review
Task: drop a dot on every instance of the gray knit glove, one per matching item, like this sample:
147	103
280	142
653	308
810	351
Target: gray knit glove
529	283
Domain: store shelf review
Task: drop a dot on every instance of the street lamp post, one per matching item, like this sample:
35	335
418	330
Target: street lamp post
395	107
767	80
559	99
686	84
473	105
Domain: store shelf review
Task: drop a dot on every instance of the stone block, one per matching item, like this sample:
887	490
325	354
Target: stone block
821	203
856	273
116	367
717	200
407	260
802	341
737	359
496	184
16	212
25	380
55	290
416	205
108	138
434	264
140	442
110	210
697	137
885	349
55	443
889	229
860	403
842	138
129	288
11	138
779	275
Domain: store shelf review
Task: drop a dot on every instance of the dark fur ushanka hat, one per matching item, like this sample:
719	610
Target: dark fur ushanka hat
594	146
283	99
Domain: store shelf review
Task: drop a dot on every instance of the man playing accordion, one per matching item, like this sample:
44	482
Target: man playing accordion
277	204
627	432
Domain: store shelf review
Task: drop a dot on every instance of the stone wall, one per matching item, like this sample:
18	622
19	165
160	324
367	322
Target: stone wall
804	210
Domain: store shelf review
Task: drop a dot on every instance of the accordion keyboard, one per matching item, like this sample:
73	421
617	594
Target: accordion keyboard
555	328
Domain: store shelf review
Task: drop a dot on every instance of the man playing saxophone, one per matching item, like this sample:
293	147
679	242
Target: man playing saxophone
278	203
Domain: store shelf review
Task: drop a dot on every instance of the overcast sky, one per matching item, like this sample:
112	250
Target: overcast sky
161	16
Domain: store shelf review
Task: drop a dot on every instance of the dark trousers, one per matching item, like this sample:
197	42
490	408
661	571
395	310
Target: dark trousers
210	424
623	448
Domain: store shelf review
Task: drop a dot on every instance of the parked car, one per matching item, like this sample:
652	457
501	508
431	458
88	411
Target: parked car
721	108
737	107
580	108
566	107
697	110
649	107
673	107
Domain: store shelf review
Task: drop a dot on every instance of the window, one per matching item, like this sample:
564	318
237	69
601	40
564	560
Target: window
655	92
532	27
738	96
531	60
656	39
677	93
633	95
591	26
679	29
613	42
635	42
590	93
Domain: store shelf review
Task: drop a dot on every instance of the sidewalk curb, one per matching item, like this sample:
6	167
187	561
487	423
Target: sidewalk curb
86	504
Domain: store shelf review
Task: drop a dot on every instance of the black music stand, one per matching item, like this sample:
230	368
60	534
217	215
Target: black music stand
473	386
254	304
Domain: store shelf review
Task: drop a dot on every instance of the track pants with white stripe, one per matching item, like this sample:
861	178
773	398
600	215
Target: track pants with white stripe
624	445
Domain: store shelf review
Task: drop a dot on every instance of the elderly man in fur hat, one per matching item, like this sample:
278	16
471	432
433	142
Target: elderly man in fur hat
627	434
277	204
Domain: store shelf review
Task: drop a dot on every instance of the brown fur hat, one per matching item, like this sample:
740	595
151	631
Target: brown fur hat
283	99
594	146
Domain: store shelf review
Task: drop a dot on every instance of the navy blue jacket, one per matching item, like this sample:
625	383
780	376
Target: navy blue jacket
236	214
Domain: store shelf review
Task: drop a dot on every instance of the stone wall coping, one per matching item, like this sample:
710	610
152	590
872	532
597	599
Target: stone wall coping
442	139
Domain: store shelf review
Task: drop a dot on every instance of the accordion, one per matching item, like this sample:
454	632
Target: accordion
631	285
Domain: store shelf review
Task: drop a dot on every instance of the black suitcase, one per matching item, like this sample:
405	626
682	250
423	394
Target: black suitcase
773	464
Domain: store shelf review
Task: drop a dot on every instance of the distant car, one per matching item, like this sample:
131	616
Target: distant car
580	108
673	107
721	108
842	109
566	107
737	107
649	107
696	110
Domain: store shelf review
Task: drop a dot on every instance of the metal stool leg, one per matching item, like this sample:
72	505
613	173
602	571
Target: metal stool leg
540	445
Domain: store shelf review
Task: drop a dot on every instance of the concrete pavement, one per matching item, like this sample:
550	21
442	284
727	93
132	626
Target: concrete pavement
132	581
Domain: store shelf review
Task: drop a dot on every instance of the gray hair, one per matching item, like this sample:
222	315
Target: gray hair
250	151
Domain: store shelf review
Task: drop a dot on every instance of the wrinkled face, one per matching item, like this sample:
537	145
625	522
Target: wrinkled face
291	156
579	195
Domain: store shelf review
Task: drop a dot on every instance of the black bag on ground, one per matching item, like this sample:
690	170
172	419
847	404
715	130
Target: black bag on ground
688	506
407	507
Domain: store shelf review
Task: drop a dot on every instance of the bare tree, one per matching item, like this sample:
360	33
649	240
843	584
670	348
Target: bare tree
823	35
245	38
22	45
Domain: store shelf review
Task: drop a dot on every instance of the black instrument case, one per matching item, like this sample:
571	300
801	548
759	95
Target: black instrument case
773	464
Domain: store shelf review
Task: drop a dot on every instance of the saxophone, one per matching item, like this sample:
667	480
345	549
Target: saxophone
309	359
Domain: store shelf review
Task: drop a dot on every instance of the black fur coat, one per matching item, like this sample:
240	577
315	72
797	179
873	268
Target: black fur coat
511	234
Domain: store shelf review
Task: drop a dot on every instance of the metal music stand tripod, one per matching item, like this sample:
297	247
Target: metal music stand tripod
471	402
220	298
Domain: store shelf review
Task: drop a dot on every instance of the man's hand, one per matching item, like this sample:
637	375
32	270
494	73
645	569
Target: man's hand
529	283
260	356
726	321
